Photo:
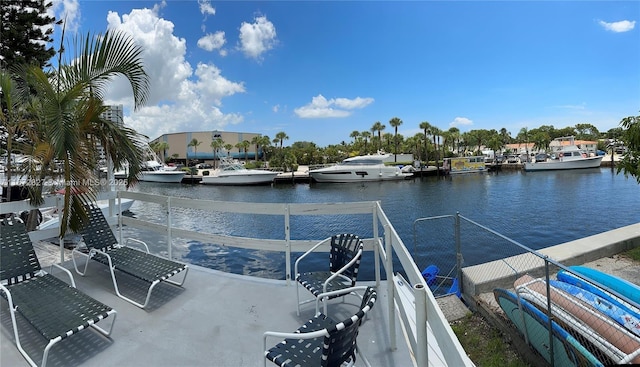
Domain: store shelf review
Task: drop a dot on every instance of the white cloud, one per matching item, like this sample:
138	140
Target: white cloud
276	108
353	103
180	99
320	107
460	121
68	11
258	37
618	27
213	41
206	8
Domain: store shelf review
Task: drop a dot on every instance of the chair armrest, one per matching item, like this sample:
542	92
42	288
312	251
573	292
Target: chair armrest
295	267
146	248
73	282
311	335
342	270
8	293
344	291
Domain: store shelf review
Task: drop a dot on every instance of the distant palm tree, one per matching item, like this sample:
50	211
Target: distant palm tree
280	137
355	134
395	122
378	127
159	147
365	135
245	145
193	143
216	145
425	126
265	142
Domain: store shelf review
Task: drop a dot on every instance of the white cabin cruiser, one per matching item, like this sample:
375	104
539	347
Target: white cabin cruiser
360	168
569	157
234	173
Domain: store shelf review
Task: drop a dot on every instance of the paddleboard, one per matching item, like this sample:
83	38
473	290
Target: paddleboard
608	336
601	304
624	288
533	325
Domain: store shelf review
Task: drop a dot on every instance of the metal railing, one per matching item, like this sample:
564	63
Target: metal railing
386	245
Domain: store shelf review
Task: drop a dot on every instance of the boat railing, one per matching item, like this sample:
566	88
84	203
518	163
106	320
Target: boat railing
390	255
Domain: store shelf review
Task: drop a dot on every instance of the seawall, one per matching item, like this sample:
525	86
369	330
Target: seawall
502	273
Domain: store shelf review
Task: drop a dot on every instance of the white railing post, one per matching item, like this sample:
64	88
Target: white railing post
376	245
390	287
169	242
422	348
287	243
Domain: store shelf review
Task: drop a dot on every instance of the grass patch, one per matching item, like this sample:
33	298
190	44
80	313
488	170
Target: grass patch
633	254
484	344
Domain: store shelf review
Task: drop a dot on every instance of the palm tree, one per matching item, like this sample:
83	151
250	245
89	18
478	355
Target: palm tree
193	143
245	145
216	145
378	126
355	134
70	102
264	143
425	126
454	133
523	136
365	135
280	137
395	122
12	115
435	132
160	147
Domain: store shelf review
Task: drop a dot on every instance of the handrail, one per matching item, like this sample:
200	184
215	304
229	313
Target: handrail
388	248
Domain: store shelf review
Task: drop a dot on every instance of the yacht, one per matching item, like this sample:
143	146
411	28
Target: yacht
360	168
568	157
232	172
153	171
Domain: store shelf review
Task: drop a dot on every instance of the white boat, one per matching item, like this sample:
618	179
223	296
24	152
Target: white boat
568	157
232	172
50	218
360	168
465	164
153	171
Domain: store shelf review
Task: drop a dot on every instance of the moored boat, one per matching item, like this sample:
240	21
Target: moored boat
567	157
359	169
465	164
152	171
234	173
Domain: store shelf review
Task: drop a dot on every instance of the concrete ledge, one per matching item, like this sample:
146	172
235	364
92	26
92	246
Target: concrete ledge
501	273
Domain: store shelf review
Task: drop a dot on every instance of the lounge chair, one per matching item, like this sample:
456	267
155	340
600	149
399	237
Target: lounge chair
321	341
103	247
344	262
54	308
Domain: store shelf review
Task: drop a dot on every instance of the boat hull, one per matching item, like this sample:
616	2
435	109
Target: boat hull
54	220
343	175
251	177
161	176
588	162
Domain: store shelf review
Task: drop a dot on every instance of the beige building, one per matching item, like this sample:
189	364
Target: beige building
180	150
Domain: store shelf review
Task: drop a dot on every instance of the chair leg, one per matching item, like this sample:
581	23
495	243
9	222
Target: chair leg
75	265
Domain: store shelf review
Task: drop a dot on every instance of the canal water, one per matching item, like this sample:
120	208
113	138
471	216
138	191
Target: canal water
536	209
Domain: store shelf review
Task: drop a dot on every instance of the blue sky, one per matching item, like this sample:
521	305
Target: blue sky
320	70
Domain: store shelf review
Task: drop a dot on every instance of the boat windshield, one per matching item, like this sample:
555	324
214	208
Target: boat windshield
361	162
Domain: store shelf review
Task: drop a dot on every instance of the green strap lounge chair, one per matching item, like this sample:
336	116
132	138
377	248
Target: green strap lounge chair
103	247
344	262
54	308
321	341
